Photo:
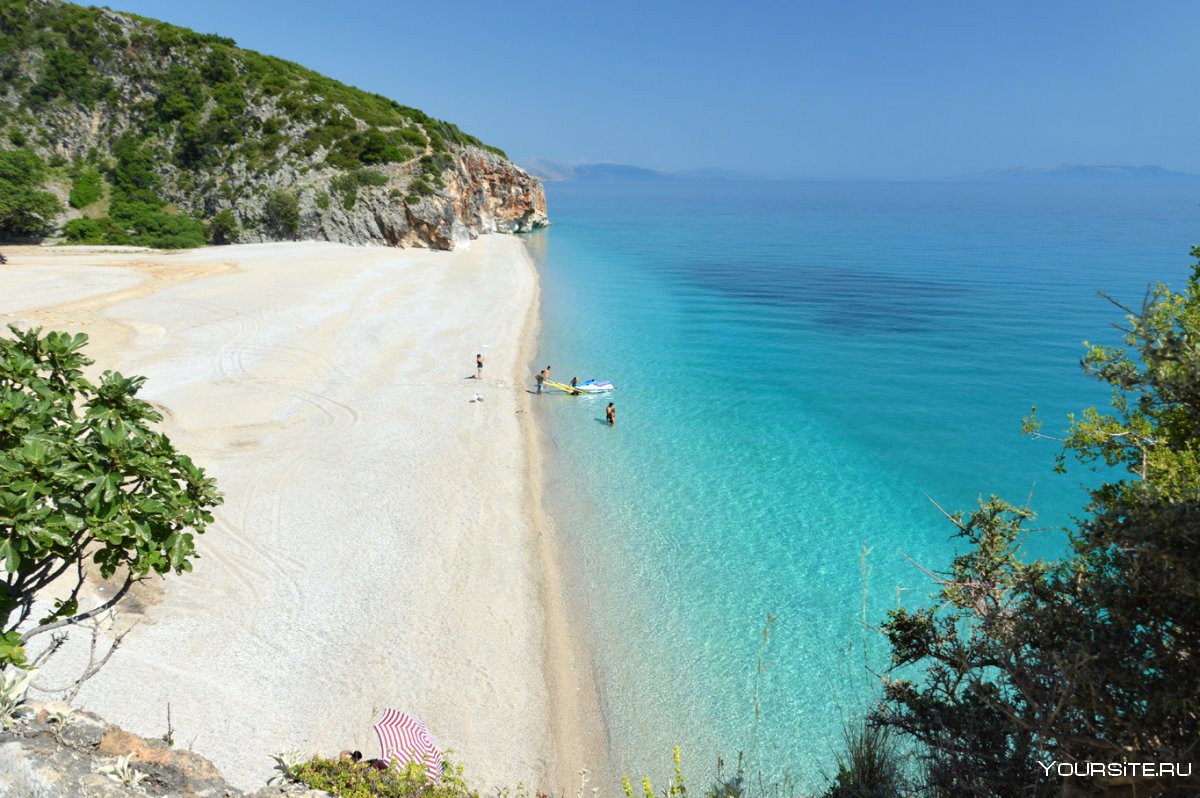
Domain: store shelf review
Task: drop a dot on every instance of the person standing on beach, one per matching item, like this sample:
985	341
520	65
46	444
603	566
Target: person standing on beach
610	413
541	378
479	367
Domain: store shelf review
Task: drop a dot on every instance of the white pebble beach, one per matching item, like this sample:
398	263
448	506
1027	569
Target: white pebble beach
381	541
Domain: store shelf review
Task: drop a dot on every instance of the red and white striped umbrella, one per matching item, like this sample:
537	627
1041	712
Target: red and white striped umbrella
405	739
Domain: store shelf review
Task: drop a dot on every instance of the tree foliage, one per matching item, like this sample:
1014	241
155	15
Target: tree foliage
224	227
87	487
24	209
283	212
136	213
87	187
1095	657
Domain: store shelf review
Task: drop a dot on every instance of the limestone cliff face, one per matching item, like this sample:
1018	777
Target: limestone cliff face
499	196
484	193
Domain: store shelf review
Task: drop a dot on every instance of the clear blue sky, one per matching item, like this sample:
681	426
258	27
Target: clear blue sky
834	89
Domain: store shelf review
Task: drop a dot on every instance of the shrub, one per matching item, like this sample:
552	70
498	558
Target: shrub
219	67
86	231
283	212
369	177
870	764
151	226
181	93
24	210
163	230
411	137
224	227
347	779
420	187
65	73
194	144
86	189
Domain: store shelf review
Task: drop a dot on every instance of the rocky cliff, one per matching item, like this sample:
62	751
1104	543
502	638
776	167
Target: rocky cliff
52	751
153	134
483	193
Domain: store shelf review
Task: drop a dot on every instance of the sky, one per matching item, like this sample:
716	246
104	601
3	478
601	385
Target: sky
839	89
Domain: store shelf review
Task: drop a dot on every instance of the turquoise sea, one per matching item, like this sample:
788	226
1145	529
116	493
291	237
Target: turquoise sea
798	367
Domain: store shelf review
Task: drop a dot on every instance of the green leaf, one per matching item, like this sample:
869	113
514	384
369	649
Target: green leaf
12	558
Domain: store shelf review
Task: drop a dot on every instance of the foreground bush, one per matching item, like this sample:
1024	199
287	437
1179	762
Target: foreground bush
870	764
1092	659
88	486
348	779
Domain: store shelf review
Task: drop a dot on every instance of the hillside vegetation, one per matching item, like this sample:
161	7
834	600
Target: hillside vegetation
157	135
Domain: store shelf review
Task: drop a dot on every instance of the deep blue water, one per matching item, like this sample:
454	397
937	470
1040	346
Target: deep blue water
798	367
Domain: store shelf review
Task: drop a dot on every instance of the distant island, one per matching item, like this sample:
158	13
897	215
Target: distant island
550	169
1077	173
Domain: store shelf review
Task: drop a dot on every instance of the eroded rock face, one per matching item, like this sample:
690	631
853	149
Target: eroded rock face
484	194
41	758
494	196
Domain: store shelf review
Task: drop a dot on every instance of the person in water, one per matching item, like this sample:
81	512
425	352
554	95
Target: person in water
479	367
541	378
575	386
610	413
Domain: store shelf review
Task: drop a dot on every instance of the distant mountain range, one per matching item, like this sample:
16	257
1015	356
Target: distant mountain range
552	170
1080	174
549	169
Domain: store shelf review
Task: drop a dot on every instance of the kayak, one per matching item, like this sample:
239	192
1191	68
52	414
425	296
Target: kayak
591	386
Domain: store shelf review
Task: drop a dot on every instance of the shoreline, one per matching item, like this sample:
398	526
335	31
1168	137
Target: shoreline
578	727
315	382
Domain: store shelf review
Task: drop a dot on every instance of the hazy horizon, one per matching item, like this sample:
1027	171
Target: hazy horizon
1030	169
855	90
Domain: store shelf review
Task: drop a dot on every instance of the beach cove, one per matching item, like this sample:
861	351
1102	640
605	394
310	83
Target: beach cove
382	541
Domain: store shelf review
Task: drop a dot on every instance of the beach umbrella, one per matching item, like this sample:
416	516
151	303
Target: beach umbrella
405	739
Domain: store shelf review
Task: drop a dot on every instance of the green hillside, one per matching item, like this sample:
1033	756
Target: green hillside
154	134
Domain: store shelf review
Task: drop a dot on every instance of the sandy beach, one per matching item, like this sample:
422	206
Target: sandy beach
382	541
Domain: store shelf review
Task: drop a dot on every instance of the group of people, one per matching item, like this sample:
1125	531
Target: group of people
356	757
610	412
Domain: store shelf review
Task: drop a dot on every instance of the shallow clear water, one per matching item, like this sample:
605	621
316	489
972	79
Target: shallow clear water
798	366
